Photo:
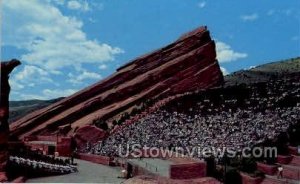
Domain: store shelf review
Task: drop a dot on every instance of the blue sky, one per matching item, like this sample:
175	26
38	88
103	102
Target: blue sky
66	45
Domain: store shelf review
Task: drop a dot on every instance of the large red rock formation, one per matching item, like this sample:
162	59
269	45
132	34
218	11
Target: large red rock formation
88	134
5	69
187	64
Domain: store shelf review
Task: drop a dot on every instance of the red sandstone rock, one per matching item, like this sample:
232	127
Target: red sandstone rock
283	159
21	179
64	146
295	160
88	134
291	172
3	177
267	169
188	64
293	150
5	69
247	179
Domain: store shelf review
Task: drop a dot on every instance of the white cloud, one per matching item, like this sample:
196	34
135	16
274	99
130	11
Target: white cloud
52	43
15	85
51	40
97	5
78	5
31	84
58	2
224	71
92	20
201	4
34	74
282	12
49	93
250	17
29	76
23	96
30	72
103	67
226	54
85	75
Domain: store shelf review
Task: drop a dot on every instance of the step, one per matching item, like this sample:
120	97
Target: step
291	172
293	150
295	160
275	180
268	181
249	179
284	159
267	169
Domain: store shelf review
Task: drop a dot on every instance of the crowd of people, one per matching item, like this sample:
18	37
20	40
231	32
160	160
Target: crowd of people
235	121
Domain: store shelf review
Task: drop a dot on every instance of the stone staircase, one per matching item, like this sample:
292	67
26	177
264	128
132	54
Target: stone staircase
291	169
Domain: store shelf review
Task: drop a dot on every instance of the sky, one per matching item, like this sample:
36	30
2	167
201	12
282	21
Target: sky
66	45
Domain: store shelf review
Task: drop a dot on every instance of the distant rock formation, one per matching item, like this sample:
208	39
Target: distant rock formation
188	64
5	69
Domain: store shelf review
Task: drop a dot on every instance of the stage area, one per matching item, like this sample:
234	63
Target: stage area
88	173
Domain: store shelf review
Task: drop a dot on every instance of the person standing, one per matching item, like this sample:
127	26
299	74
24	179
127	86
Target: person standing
280	171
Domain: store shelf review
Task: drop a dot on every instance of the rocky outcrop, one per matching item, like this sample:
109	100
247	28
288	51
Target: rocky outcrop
188	64
88	134
5	69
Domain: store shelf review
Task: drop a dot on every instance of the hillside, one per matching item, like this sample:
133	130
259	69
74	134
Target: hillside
187	64
280	69
19	109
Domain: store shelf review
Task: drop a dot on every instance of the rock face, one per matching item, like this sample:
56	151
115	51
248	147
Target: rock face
5	69
188	64
88	134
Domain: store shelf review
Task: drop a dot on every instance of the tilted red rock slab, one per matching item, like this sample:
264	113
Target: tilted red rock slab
186	65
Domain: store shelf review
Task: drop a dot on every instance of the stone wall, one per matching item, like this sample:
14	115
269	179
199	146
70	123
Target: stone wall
188	171
63	147
95	158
